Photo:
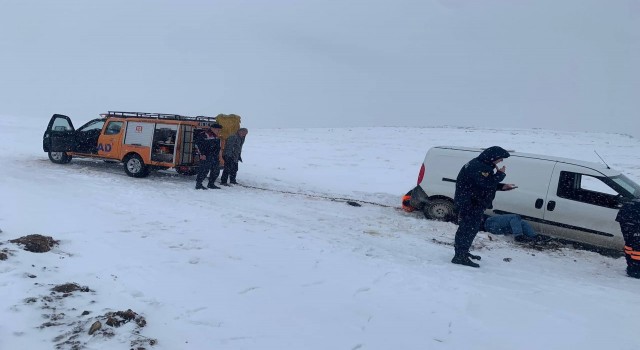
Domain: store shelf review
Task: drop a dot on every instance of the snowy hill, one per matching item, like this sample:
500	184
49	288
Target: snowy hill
278	264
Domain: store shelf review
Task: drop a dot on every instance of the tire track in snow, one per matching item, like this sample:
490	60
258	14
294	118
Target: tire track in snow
116	169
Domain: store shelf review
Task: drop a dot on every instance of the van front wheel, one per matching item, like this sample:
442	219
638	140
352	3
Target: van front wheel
134	166
439	209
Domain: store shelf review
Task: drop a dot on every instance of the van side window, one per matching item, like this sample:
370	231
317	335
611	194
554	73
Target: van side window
113	128
587	189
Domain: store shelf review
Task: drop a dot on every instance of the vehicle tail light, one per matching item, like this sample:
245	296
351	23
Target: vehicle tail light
421	174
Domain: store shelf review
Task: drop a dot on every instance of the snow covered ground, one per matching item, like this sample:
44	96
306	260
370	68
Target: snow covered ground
248	268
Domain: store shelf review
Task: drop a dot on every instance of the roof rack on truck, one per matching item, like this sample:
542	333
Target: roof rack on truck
148	115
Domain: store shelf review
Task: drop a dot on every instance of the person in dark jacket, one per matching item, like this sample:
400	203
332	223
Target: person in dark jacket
629	220
232	155
476	187
208	149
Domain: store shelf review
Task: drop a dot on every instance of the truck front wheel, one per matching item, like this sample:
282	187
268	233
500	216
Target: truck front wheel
59	157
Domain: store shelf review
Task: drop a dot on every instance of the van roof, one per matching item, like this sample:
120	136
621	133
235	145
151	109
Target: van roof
595	166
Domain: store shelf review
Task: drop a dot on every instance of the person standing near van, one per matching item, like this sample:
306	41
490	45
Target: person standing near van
208	149
476	187
232	155
629	219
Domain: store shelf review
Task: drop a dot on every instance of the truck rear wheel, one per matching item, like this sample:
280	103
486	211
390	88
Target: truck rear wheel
59	157
439	209
134	166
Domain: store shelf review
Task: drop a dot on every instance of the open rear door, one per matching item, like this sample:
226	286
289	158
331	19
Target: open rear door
60	135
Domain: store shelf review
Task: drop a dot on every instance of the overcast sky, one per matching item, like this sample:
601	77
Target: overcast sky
556	64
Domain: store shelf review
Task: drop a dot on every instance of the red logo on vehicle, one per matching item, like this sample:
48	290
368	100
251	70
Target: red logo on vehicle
139	128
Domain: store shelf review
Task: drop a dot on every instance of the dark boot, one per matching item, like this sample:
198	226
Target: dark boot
540	239
233	182
474	257
200	187
463	260
224	184
213	186
633	272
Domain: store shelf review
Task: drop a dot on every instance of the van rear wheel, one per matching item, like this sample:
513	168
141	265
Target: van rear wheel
134	166
439	209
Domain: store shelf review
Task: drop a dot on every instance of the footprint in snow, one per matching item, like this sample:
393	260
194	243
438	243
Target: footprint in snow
362	290
248	290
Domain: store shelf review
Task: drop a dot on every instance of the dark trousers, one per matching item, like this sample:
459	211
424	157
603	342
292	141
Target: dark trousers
205	167
469	222
633	265
230	170
631	234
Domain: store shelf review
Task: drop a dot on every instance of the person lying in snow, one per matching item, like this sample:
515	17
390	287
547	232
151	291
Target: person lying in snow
511	224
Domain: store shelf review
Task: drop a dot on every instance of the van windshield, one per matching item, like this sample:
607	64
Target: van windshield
627	185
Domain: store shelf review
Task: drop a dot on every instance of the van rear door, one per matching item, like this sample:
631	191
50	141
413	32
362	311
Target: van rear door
532	176
581	206
59	135
185	145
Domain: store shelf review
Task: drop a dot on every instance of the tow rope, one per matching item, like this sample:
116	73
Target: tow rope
350	201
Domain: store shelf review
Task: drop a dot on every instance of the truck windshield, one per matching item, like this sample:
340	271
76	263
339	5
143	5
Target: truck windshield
627	184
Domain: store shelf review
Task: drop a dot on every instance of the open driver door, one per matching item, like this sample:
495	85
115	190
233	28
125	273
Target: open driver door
60	135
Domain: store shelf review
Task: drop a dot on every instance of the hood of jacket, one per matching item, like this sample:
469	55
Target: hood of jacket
492	154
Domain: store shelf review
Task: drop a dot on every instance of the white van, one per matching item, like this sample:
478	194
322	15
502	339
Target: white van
559	197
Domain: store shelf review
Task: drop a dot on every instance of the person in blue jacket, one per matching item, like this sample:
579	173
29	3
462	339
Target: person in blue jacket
629	220
476	187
